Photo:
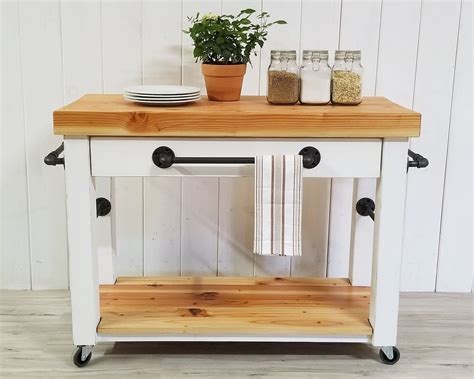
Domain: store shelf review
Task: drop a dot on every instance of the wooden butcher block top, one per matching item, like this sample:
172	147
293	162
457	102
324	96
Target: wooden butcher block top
252	116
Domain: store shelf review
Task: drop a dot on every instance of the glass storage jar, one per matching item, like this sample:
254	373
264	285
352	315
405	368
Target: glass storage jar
283	80
346	79
315	77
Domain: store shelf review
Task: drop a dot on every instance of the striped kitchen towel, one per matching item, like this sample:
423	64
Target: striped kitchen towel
278	193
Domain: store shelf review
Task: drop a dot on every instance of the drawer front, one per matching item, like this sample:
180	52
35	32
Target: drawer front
133	156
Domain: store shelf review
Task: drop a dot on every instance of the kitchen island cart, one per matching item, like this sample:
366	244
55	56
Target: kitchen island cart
105	136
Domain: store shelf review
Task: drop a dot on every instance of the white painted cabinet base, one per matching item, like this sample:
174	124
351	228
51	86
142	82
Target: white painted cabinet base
96	157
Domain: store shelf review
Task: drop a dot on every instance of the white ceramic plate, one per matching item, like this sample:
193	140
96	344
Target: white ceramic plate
162	90
139	99
162	102
156	97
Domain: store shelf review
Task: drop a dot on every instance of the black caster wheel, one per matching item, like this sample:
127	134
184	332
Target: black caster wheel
77	358
386	360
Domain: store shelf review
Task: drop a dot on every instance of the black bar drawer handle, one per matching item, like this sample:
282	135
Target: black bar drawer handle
53	159
164	157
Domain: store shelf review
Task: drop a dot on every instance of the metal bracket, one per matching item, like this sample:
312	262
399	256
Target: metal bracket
418	161
164	157
366	207
103	206
388	351
52	159
85	351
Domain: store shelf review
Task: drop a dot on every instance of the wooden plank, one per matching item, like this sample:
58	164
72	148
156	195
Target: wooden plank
231	281
15	262
425	187
40	43
162	226
199	222
454	271
236	225
270	309
313	261
111	115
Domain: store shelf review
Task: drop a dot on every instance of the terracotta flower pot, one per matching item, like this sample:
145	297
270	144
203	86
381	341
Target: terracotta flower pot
223	81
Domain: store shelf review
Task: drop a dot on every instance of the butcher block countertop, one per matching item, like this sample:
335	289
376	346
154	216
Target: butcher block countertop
252	116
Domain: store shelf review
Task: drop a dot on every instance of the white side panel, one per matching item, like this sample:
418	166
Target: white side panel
122	67
343	158
252	77
438	33
199	223
236	224
43	92
81	214
340	221
280	37
191	71
313	261
456	249
162	226
360	265
14	234
388	242
129	226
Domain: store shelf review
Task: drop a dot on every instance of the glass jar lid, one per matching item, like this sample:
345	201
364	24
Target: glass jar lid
340	54
357	54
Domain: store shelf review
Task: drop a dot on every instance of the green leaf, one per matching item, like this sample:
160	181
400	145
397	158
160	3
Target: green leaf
280	22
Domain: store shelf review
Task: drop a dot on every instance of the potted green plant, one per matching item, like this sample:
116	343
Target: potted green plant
224	45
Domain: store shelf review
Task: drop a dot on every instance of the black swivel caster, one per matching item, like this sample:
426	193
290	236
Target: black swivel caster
385	355
82	356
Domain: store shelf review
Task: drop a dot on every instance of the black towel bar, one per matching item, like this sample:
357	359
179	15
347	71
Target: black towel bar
53	159
418	160
164	157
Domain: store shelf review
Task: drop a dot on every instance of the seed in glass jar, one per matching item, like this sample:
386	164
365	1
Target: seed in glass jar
346	87
283	87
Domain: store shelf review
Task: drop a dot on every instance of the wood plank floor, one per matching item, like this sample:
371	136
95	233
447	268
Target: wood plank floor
234	306
435	338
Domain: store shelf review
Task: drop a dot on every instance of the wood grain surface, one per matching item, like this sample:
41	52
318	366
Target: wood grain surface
252	116
266	306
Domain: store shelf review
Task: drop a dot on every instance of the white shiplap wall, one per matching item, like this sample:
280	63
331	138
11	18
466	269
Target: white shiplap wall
415	52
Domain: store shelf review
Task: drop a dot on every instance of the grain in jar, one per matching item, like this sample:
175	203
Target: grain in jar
346	80
283	79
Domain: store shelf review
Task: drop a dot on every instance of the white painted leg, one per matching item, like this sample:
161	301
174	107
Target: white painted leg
388	242
105	249
81	214
360	266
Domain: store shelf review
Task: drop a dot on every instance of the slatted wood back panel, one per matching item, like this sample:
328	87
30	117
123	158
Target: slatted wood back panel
417	54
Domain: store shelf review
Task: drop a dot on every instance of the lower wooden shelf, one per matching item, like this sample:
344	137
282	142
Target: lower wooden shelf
234	306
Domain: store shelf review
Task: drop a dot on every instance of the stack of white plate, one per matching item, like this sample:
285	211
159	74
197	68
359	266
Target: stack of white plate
162	94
